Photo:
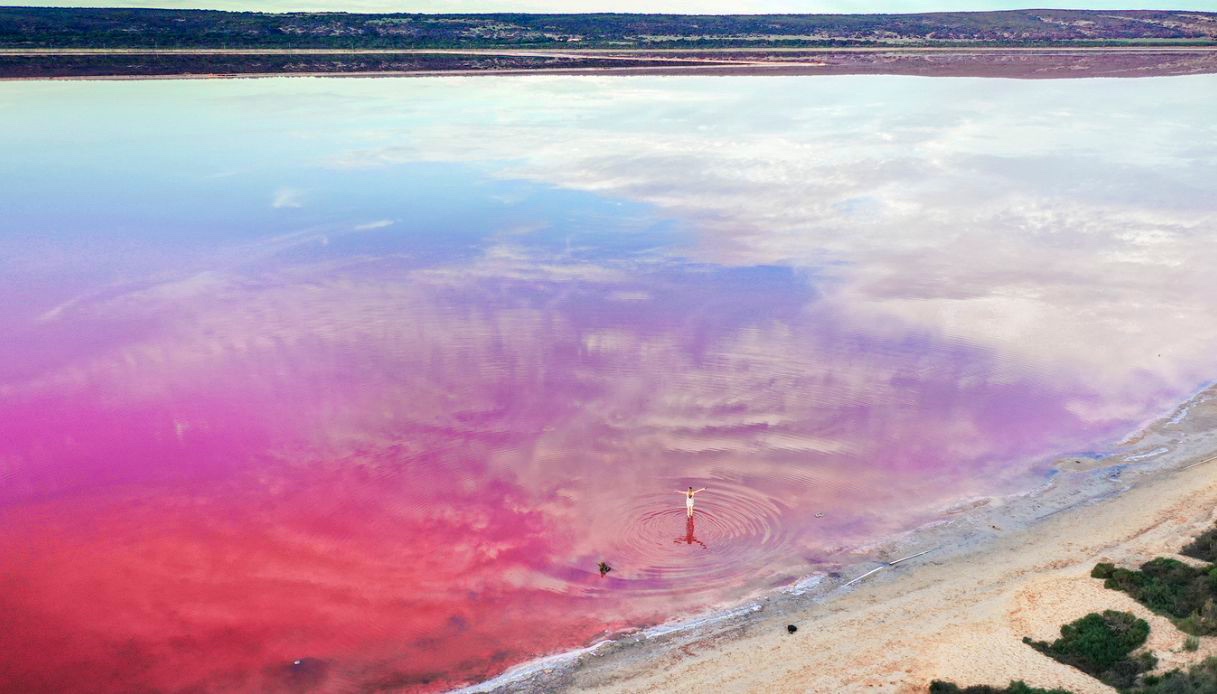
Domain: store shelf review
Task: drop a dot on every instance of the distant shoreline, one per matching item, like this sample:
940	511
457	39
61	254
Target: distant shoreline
948	50
936	613
111	42
68	27
211	63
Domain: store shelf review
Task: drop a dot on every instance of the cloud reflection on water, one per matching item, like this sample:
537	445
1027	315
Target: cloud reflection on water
962	205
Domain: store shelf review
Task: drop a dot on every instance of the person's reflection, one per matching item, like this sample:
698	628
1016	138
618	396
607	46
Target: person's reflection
689	537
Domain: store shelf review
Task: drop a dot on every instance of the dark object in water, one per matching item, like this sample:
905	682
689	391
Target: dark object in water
304	673
605	568
791	628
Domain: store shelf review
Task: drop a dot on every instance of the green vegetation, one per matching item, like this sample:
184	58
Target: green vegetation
1171	588
1100	645
1203	548
51	27
1199	679
939	687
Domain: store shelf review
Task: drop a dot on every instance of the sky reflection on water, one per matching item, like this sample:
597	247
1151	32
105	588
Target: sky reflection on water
370	374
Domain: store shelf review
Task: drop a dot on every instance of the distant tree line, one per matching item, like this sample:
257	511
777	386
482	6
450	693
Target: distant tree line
31	27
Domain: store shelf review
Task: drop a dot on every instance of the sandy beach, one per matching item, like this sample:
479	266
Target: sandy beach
997	573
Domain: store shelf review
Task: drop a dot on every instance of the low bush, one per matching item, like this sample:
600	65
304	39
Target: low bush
1100	645
1199	679
1203	547
938	687
1172	588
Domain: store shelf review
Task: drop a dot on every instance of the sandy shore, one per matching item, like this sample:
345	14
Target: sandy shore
1003	569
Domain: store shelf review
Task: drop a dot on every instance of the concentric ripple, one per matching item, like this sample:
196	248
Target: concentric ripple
733	531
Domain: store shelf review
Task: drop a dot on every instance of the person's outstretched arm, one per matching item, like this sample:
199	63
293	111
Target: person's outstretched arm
699	490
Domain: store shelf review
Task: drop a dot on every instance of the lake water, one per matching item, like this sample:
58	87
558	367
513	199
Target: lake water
350	384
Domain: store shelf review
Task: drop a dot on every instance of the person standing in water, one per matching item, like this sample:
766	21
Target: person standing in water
689	499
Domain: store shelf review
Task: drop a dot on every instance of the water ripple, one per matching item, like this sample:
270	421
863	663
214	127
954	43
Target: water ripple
732	533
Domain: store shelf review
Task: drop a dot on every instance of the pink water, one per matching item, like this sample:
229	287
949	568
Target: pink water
373	429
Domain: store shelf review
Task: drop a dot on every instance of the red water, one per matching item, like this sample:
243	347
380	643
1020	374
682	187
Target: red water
401	484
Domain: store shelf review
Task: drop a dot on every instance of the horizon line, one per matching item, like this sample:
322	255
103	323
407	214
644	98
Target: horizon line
605	13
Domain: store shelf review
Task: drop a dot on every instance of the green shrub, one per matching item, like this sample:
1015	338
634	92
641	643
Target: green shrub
939	687
1102	570
1199	679
1172	588
1192	643
1100	644
1203	547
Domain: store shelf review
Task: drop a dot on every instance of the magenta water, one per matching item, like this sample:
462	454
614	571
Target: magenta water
349	385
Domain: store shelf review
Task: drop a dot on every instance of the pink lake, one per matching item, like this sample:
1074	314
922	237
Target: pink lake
348	385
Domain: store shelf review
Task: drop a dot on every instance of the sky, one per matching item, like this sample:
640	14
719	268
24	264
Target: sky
654	6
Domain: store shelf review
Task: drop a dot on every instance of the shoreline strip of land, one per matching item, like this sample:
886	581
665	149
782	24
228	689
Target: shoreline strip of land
604	52
211	63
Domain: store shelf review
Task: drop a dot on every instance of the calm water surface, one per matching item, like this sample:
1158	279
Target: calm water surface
349	384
